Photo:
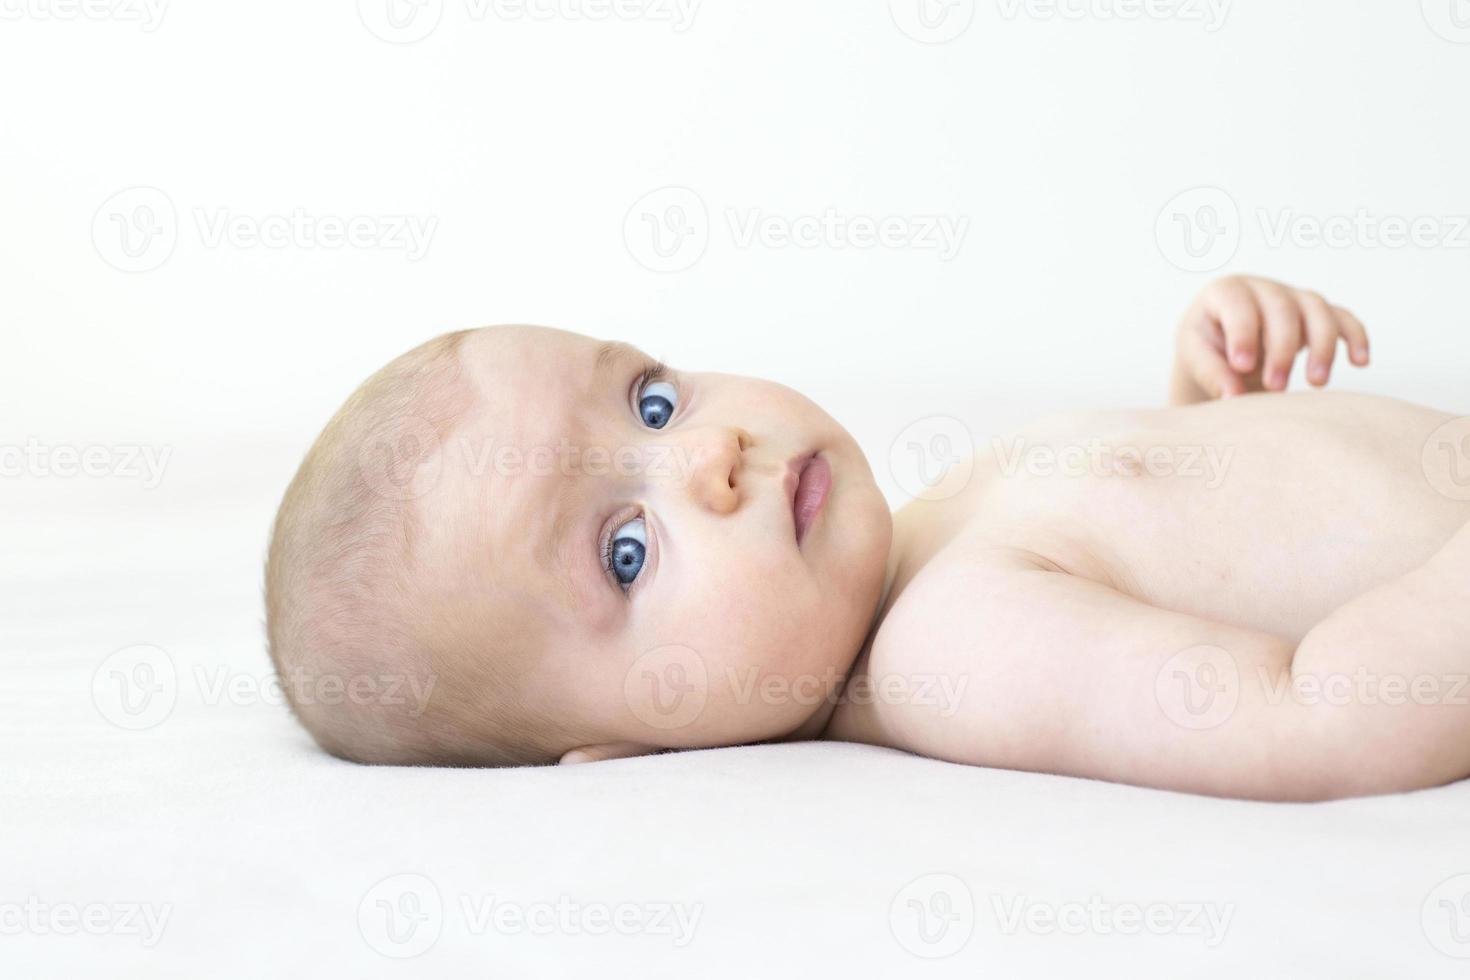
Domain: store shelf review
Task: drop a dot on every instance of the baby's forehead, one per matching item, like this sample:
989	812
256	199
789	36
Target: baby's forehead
507	505
514	360
542	389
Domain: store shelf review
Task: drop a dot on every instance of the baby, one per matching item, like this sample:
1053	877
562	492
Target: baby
572	552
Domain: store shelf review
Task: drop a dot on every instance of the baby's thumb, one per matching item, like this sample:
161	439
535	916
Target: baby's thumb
1213	373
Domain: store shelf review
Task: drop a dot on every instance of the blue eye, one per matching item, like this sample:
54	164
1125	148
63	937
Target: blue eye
625	550
656	403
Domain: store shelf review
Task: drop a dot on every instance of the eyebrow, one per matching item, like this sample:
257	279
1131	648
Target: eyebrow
611	352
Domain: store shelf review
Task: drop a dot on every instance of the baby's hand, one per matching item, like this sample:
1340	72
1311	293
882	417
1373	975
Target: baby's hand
1243	334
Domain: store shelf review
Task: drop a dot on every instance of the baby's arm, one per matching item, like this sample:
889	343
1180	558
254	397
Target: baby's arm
1242	334
1071	676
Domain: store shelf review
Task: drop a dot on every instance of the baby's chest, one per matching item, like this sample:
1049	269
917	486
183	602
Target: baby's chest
1252	540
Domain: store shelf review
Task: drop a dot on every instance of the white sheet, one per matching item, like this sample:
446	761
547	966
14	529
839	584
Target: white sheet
262	852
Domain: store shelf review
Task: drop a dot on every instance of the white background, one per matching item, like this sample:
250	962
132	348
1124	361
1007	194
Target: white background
1059	140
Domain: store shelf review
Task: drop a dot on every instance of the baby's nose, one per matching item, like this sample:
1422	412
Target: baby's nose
716	459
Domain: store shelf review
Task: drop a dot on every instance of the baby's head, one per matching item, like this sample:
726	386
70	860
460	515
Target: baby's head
517	545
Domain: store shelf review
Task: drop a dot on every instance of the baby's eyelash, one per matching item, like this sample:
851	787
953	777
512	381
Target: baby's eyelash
606	549
605	546
656	371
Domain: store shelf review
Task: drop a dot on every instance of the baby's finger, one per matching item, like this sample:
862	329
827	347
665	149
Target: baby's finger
1234	308
1355	334
1213	374
1322	332
1283	335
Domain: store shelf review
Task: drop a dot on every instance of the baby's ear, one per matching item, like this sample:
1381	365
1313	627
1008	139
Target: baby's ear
601	753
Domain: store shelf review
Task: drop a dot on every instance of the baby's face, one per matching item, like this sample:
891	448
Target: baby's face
674	560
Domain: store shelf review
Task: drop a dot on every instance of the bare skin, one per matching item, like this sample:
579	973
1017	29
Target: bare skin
1263	597
1248	593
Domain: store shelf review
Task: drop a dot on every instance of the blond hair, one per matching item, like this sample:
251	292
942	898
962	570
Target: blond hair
343	596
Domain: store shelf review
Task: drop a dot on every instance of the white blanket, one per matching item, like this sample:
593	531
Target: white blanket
221	842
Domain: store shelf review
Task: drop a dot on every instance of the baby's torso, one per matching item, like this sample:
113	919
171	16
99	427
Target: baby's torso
1265	512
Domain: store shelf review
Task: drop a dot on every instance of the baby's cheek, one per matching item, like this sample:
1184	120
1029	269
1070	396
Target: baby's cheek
763	653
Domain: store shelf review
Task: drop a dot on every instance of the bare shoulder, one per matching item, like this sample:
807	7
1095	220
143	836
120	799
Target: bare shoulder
947	642
999	654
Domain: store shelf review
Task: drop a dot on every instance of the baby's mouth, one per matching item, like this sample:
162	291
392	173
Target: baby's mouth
810	480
